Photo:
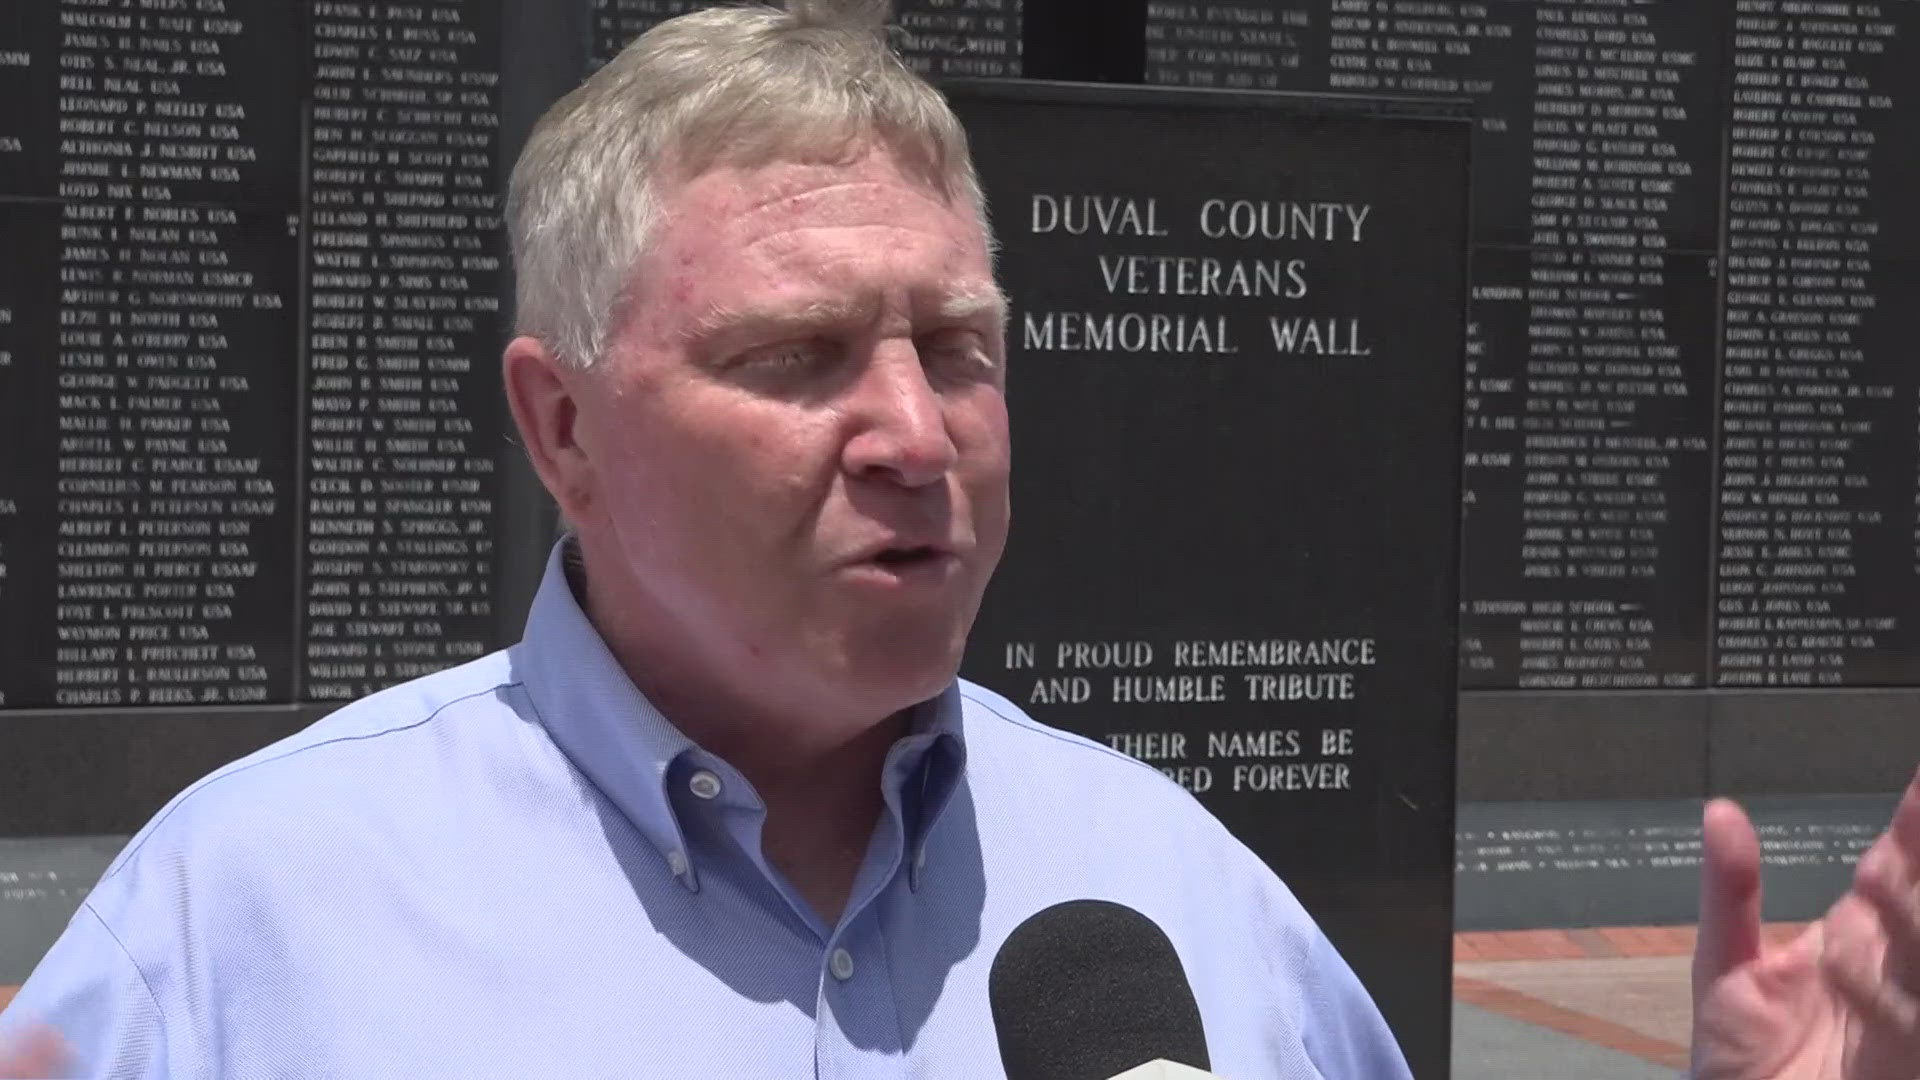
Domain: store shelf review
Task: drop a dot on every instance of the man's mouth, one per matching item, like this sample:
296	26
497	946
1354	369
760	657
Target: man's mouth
908	556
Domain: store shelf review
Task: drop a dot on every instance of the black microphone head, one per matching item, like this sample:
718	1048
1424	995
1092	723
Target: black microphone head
1087	989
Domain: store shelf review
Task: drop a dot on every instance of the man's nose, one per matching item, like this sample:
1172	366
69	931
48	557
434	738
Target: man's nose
899	420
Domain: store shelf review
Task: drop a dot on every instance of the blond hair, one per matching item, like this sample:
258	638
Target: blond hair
727	86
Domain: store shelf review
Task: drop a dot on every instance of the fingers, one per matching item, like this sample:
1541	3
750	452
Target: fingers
1852	963
1905	829
1729	895
33	1054
1888	881
1881	1016
1870	955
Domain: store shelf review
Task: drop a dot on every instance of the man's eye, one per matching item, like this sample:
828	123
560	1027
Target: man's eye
785	358
957	354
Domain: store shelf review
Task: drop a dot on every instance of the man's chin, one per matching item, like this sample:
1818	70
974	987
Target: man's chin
896	675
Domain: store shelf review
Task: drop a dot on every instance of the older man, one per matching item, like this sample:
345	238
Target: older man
725	810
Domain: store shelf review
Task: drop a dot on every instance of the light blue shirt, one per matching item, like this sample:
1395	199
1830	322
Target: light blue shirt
518	868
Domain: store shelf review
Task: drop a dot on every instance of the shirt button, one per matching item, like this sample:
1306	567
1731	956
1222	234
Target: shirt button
704	784
841	964
677	862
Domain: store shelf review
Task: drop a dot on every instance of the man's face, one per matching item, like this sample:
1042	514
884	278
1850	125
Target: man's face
801	448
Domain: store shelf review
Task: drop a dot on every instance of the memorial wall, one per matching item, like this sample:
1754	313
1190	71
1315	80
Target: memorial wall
1690	531
242	328
246	343
1224	440
1691	455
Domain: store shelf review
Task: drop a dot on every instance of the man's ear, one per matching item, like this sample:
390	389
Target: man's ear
542	394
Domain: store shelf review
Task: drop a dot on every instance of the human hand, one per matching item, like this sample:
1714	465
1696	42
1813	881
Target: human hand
34	1054
1842	1000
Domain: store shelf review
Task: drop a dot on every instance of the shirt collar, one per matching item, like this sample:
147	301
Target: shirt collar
923	770
631	752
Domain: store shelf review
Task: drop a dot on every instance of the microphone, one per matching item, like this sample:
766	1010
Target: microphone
1088	989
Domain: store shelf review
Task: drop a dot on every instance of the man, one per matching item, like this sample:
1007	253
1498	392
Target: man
725	811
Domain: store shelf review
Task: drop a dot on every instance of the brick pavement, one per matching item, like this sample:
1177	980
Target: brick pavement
1625	988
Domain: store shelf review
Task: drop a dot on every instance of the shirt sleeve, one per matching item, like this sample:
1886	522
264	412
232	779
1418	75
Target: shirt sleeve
1346	1036
90	991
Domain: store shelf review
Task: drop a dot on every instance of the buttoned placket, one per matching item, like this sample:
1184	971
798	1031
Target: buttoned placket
856	1011
856	990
